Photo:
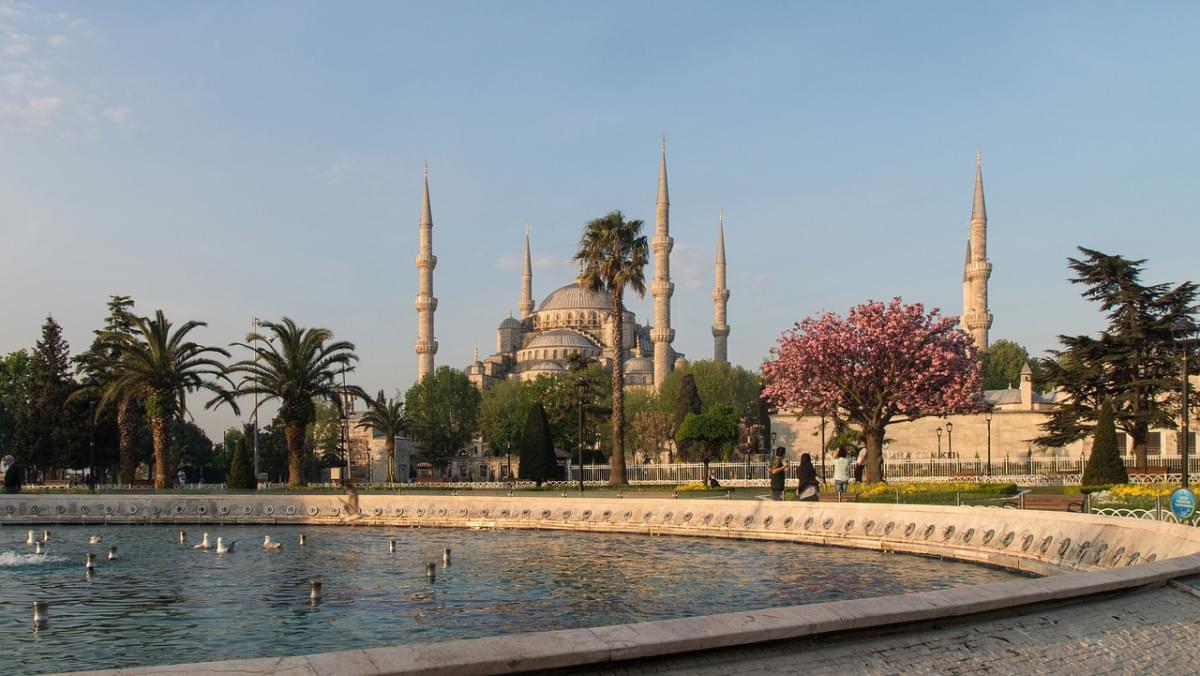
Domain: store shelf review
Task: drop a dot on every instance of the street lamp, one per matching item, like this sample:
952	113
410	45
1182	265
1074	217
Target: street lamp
1181	331
581	386
939	433
949	439
93	383
987	416
345	429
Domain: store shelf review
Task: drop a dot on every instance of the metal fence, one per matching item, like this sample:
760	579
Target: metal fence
1061	470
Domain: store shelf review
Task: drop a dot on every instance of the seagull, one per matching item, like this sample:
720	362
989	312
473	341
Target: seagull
267	544
45	536
112	553
94	540
30	539
222	548
203	543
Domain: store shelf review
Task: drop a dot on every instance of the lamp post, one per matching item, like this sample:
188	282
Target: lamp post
987	416
254	321
939	433
93	383
822	448
949	439
345	430
1182	329
581	386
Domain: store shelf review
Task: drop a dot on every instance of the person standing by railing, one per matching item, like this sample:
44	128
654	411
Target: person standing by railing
778	472
841	471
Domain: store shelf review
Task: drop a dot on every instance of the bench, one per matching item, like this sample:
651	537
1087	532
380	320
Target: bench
1052	503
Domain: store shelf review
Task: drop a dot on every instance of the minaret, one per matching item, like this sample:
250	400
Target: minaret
425	346
526	305
720	294
662	288
976	318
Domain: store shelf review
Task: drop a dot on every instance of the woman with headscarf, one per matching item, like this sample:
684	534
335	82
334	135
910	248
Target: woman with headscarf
809	487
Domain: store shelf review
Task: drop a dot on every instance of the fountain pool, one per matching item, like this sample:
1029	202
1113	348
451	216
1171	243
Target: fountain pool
160	602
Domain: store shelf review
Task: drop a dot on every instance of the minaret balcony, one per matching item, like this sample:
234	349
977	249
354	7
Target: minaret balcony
426	262
658	335
426	303
720	295
662	287
426	346
720	331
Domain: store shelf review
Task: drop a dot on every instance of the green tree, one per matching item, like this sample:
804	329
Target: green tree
614	255
296	366
160	366
241	474
50	431
709	435
1104	465
190	447
101	364
538	462
560	397
1133	363
1002	363
687	402
718	383
14	386
502	414
443	414
386	417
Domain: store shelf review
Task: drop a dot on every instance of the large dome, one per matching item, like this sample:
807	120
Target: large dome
567	339
574	297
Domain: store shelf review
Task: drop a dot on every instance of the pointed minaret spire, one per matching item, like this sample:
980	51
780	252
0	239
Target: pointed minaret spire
720	294
426	346
662	289
526	305
976	318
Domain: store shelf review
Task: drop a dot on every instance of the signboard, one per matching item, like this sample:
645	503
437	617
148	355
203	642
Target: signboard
1183	504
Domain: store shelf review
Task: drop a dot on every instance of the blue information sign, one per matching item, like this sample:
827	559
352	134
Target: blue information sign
1183	503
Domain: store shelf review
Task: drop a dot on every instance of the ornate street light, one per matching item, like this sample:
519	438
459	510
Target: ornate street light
987	416
1182	330
581	386
939	433
949	439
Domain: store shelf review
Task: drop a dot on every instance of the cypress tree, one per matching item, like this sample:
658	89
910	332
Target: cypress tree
241	474
1104	465
687	402
50	431
538	462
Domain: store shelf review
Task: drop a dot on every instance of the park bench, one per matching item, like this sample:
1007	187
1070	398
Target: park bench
1052	503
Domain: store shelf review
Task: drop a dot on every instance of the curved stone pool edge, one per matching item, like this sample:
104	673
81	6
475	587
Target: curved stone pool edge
1083	555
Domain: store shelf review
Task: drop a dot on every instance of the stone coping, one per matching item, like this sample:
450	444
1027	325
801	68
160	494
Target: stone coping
1082	555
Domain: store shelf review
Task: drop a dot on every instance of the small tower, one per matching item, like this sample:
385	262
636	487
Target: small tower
1026	387
526	305
426	346
720	294
662	289
976	318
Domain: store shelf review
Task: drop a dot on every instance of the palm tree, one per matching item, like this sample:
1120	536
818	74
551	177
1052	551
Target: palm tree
160	366
296	366
387	417
614	254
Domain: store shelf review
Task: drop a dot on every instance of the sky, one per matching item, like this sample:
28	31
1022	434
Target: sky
225	160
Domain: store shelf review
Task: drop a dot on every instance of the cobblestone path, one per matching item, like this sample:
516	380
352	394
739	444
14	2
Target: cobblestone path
1155	630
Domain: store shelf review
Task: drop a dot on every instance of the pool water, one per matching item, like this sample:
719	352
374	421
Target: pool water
162	603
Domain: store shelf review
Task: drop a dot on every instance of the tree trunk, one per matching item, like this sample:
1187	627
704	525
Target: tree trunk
391	456
873	471
293	431
160	433
617	461
126	433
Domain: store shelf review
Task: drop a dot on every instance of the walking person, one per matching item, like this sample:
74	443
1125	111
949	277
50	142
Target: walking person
841	471
809	486
778	472
14	474
860	463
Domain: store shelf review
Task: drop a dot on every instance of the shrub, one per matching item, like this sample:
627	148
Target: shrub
1104	465
241	474
538	463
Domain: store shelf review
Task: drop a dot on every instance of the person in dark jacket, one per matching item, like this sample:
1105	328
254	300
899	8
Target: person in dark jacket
14	475
809	486
778	470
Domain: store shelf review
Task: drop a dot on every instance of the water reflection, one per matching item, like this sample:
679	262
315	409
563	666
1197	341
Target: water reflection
161	602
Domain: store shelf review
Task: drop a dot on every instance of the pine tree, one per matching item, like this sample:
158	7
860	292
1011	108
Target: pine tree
538	462
240	475
50	432
102	363
1104	465
687	402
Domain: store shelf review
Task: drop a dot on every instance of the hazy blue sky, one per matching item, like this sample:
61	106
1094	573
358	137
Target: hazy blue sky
221	160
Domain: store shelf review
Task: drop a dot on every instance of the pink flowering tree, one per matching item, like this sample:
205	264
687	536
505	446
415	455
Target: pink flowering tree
878	365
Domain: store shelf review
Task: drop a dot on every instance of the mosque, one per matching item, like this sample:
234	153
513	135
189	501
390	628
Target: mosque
573	322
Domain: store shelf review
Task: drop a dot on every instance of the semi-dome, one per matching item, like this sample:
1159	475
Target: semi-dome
639	365
510	323
561	339
574	297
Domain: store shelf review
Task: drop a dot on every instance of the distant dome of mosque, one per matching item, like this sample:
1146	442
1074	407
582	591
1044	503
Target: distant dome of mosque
510	323
567	339
574	297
